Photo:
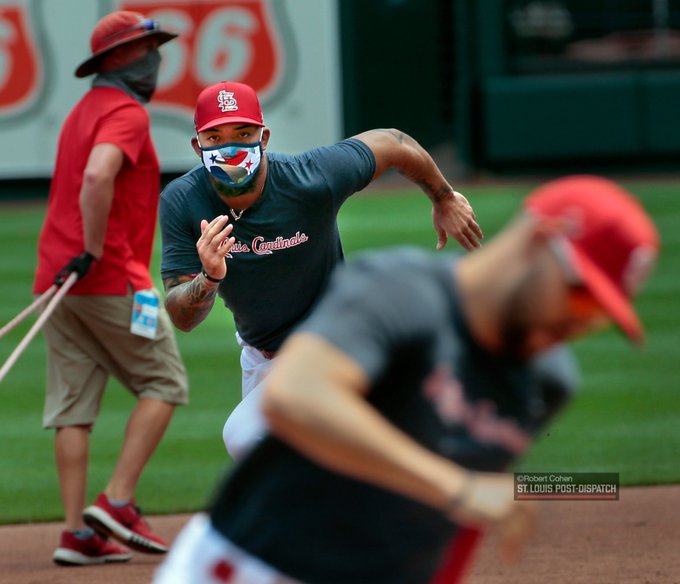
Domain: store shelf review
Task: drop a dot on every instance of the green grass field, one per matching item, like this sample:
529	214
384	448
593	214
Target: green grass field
624	418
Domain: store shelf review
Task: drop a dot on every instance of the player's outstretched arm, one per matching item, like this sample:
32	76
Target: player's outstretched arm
452	214
314	401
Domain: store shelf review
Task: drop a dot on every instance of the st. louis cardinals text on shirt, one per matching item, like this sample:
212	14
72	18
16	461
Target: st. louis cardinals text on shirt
261	246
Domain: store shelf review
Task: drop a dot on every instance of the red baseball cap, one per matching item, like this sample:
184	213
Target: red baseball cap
612	241
116	29
227	102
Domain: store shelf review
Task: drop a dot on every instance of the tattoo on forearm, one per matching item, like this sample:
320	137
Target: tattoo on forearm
420	168
188	301
426	188
441	194
397	135
436	194
173	281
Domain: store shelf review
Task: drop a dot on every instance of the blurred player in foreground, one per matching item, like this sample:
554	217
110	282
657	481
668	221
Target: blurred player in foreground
417	380
100	224
274	218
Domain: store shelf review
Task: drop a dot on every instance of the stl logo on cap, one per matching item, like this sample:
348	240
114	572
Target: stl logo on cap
226	101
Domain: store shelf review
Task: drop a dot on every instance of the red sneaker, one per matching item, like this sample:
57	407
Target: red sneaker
125	524
86	552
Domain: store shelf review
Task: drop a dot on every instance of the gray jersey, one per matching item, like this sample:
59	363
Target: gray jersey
397	315
287	244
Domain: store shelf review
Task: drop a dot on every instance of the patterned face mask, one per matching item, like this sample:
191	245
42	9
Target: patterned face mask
234	165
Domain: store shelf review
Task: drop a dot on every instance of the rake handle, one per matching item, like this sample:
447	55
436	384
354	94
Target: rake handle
26	311
49	309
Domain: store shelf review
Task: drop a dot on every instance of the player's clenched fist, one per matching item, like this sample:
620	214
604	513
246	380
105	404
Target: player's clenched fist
488	500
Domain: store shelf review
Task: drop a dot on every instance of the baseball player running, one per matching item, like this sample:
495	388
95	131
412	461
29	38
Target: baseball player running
396	407
273	217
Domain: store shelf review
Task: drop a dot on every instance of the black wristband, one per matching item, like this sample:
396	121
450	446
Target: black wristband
209	277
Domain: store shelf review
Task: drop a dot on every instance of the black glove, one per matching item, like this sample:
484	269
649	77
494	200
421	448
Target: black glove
79	264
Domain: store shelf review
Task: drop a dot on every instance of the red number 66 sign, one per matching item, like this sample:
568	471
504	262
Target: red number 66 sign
20	67
219	39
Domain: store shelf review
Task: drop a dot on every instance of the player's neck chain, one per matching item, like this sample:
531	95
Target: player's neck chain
236	216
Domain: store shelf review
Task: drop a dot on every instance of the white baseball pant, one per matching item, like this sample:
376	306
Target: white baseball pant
202	555
246	424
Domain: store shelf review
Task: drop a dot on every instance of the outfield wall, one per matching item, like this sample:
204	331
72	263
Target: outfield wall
286	49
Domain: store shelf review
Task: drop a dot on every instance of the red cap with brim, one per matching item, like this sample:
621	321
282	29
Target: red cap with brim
613	241
227	102
116	29
610	297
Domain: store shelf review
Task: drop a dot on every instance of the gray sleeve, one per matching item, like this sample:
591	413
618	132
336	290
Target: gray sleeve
347	167
372	318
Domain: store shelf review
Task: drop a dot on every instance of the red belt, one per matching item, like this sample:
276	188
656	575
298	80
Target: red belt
268	354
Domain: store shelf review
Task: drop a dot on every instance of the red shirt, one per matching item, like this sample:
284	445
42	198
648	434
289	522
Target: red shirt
103	115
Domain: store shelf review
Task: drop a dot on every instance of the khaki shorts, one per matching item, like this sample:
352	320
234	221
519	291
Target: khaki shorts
89	339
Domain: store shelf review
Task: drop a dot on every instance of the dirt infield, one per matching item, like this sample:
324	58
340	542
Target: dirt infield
634	540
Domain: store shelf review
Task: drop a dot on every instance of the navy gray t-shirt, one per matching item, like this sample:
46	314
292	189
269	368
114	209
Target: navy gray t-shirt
397	315
287	243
